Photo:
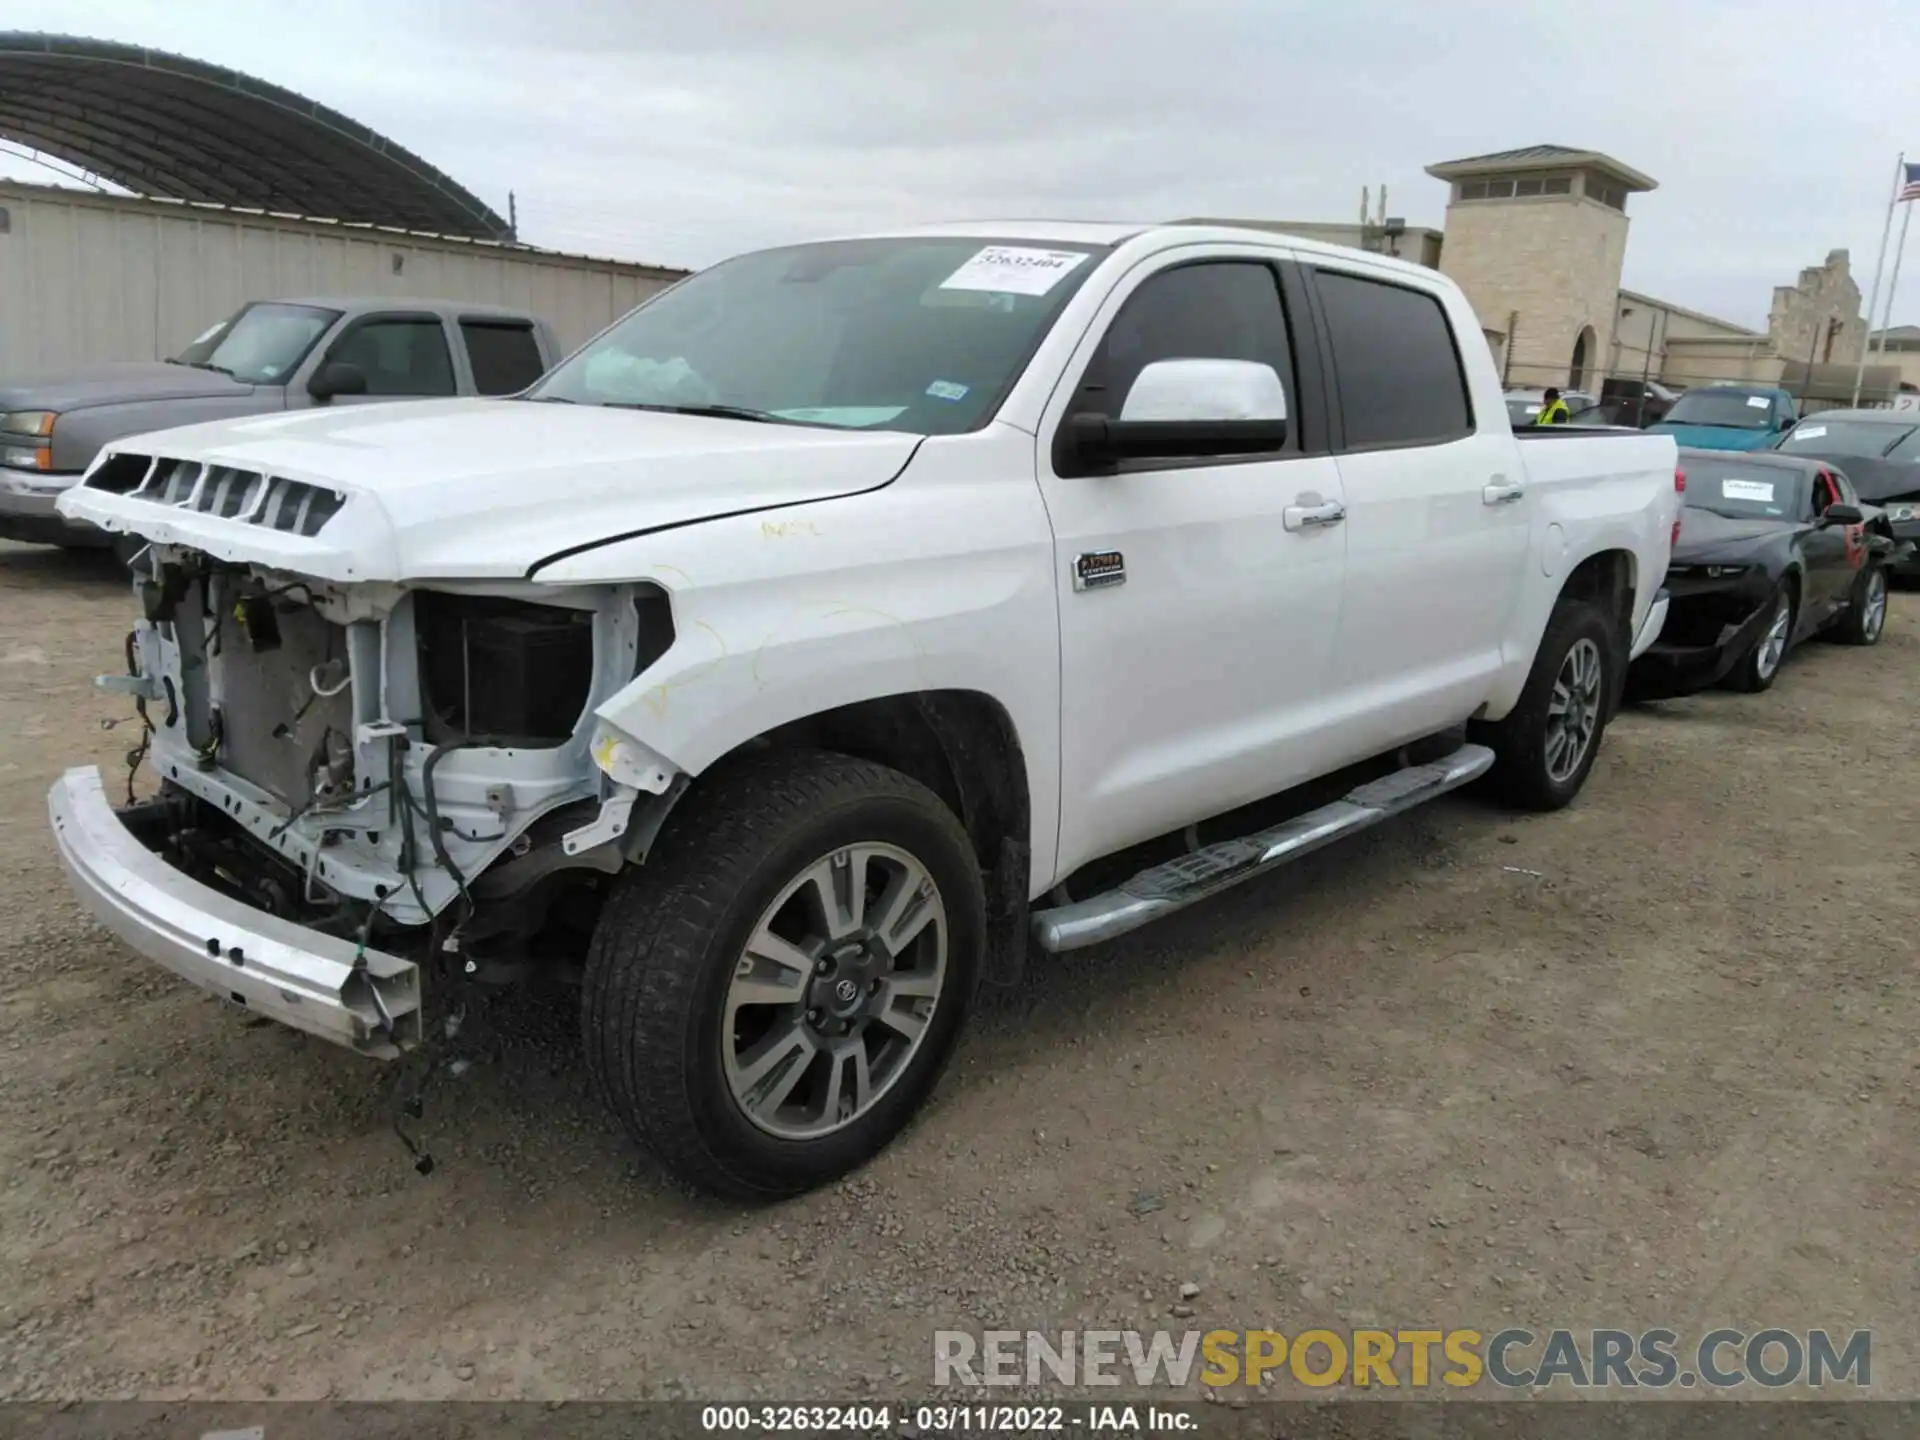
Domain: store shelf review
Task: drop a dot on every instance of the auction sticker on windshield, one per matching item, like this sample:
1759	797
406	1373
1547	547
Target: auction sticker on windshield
1760	490
1014	270
1810	432
1758	402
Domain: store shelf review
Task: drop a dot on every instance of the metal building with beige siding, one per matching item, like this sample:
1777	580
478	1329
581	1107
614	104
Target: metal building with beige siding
88	278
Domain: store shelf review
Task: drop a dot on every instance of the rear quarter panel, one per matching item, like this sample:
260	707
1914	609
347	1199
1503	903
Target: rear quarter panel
1588	494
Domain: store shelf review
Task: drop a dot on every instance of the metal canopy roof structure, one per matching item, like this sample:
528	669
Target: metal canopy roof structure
1542	157
164	125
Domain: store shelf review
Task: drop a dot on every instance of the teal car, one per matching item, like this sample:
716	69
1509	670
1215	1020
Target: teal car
1729	417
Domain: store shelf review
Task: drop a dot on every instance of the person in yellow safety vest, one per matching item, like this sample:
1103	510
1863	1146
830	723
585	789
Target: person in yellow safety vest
1554	412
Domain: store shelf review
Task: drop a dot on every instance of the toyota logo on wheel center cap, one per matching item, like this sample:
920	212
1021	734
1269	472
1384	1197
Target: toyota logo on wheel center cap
845	991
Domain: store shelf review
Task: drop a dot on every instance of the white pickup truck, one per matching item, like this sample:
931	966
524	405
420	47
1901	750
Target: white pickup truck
838	624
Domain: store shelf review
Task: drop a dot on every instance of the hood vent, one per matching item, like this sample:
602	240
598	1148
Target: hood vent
292	506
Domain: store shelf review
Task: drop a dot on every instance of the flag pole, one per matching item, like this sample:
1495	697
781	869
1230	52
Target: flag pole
1873	299
1893	282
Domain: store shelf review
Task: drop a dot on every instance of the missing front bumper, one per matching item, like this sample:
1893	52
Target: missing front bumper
366	1000
1667	671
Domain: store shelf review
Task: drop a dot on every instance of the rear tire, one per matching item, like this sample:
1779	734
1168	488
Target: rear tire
1760	666
749	1024
1544	749
1866	618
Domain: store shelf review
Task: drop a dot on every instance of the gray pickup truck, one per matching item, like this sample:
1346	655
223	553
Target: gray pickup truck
268	355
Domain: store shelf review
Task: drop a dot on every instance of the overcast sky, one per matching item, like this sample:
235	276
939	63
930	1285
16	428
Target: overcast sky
682	132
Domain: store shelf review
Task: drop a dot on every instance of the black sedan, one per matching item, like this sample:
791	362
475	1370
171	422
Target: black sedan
1772	550
1880	452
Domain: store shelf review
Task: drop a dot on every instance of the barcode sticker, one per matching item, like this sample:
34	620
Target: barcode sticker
1014	270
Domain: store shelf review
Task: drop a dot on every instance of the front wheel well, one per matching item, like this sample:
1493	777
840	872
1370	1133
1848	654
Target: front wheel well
962	745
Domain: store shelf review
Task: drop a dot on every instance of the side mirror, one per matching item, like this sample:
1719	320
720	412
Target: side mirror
1787	424
337	377
1178	409
1843	515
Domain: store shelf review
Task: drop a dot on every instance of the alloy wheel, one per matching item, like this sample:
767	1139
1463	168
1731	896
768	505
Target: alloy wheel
1773	645
1573	713
1874	617
832	995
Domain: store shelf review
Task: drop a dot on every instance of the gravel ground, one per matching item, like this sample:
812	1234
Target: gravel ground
1646	1062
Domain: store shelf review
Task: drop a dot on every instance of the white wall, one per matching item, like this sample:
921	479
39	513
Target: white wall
88	278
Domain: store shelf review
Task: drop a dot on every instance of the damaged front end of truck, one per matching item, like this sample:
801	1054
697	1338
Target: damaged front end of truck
365	784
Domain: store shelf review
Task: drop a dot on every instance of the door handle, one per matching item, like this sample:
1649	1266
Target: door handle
1313	517
1502	492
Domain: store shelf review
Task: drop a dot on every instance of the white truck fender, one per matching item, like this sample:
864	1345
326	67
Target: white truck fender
943	581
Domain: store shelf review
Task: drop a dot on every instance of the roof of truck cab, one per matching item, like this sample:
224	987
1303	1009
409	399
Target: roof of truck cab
401	302
1057	232
1088	232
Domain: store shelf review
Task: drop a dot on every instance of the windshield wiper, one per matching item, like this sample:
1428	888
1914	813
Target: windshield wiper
716	412
202	365
548	400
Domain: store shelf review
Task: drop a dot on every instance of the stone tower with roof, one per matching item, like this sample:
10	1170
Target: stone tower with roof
1536	238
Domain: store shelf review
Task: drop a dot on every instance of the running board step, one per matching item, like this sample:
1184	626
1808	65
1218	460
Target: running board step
1179	883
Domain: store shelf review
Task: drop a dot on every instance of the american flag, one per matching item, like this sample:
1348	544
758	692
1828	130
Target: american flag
1910	189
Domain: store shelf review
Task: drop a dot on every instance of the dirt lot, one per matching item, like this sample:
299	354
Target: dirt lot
1665	1080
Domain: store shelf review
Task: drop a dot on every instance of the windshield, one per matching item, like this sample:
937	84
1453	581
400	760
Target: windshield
921	335
1746	491
1844	439
1730	409
260	344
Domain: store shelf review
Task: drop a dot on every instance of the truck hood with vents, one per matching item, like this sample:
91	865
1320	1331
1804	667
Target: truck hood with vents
459	489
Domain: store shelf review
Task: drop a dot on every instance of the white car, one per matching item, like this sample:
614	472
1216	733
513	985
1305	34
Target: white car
824	632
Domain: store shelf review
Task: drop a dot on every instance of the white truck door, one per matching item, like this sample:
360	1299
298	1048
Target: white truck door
1198	598
1437	508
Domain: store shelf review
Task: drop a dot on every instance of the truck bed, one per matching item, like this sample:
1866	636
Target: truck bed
1544	432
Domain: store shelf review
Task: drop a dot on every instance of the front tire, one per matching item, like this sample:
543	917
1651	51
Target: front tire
772	996
1760	666
1545	747
1866	617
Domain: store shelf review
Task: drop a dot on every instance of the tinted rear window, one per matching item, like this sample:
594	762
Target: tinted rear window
1395	361
1844	439
505	356
1746	490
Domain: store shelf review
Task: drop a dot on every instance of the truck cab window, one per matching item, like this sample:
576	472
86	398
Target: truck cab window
505	356
1215	310
400	357
1395	361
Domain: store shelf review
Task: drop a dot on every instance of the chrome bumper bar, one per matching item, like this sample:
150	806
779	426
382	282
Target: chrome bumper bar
368	1001
1651	627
